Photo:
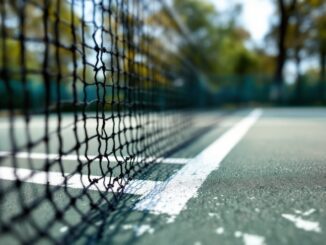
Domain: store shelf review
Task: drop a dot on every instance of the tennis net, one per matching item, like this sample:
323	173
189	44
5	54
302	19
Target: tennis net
93	92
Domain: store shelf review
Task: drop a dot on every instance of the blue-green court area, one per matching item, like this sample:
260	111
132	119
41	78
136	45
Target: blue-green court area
258	176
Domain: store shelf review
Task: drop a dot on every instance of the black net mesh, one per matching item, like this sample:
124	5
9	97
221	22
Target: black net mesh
92	92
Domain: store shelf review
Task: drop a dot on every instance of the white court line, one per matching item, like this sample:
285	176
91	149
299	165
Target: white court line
168	197
172	196
43	156
76	181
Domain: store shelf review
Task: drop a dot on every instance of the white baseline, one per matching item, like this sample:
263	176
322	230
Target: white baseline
77	181
50	156
171	197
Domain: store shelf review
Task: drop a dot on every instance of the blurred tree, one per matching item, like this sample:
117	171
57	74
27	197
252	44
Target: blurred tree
198	17
318	40
221	41
38	33
265	62
322	52
299	33
285	9
305	38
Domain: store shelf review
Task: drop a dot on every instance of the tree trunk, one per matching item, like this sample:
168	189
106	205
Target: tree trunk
299	82
285	12
323	75
281	57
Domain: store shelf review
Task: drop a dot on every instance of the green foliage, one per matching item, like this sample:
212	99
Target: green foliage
30	47
220	46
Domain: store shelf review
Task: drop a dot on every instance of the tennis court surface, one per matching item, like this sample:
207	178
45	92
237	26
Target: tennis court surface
111	135
256	177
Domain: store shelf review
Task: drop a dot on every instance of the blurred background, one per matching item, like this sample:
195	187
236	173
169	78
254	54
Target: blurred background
260	51
269	52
